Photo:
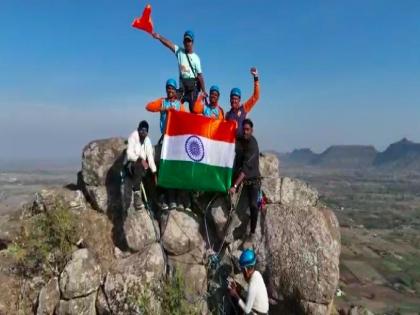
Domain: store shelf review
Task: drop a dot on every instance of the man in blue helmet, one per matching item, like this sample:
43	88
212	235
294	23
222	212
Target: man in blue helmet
212	110
257	297
163	105
239	112
190	74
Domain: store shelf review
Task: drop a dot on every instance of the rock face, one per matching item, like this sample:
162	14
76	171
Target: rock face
48	298
140	231
102	162
298	193
297	242
182	233
303	247
81	276
269	165
132	278
47	199
79	306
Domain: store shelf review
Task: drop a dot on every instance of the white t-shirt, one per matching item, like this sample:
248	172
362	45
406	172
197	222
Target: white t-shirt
184	66
144	150
257	298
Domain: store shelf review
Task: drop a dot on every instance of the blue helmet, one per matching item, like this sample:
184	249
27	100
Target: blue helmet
215	88
189	34
235	92
248	258
171	82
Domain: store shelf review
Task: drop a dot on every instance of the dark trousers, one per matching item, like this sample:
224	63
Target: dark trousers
190	96
136	172
252	190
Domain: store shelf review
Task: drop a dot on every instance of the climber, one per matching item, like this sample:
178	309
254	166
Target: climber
212	110
140	157
246	170
257	297
239	112
162	105
190	74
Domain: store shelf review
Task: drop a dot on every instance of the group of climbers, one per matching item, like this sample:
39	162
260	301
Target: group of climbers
246	166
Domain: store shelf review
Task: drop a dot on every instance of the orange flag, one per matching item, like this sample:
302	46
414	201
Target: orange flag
145	21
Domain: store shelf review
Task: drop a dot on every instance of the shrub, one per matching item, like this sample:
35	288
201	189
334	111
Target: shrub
45	241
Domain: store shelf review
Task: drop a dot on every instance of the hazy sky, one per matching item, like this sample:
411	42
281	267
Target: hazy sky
332	72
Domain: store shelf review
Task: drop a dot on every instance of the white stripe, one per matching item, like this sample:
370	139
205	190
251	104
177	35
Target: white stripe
216	153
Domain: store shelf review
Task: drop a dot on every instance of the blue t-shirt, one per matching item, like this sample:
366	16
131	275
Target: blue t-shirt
184	66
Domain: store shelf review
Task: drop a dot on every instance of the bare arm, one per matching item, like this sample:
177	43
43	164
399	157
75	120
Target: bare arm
164	41
201	80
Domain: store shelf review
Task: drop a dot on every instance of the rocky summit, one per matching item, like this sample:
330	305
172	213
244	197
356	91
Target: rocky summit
100	256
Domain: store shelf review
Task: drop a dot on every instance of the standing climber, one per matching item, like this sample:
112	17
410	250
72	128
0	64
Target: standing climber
190	74
162	105
257	297
246	170
212	110
140	158
239	112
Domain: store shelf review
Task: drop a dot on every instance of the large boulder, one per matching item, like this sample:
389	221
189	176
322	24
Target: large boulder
81	276
102	163
79	306
49	297
99	158
295	192
140	230
269	165
96	231
134	278
48	199
181	233
271	187
303	248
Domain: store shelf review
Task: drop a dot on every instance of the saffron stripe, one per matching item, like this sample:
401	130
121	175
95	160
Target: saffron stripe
182	123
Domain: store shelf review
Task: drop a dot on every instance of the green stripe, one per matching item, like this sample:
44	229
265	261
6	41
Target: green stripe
194	176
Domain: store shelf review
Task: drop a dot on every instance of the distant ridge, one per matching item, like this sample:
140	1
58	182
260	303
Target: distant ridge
401	155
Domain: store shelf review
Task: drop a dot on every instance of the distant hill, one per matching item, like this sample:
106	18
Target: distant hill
346	156
300	156
401	155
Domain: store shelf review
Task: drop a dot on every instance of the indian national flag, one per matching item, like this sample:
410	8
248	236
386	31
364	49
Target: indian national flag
197	153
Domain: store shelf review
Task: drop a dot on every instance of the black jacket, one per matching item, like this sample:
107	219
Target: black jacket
247	158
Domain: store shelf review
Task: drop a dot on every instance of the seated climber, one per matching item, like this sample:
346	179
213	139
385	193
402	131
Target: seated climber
246	170
140	160
190	74
239	112
163	105
212	110
257	297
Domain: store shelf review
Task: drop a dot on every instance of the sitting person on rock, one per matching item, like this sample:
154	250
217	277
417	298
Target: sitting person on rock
163	105
239	112
212	110
246	170
140	158
257	297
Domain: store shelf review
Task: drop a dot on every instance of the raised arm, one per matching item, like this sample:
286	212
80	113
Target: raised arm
155	106
249	104
164	41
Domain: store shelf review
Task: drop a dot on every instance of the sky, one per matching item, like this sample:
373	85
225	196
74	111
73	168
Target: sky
331	72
